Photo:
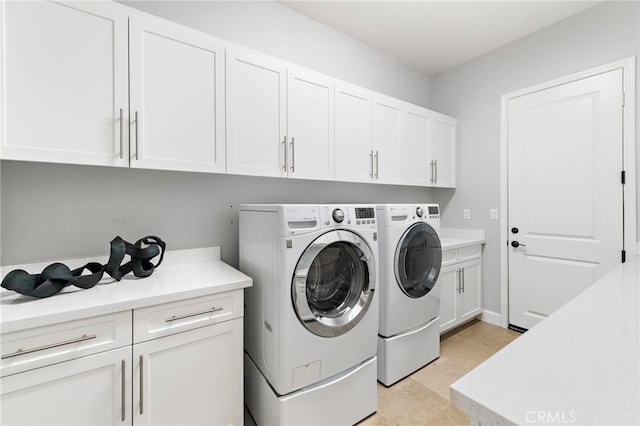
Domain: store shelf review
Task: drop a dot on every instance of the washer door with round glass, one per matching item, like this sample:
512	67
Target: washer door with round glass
333	283
418	260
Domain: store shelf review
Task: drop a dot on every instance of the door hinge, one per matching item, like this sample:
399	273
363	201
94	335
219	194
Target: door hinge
624	256
623	177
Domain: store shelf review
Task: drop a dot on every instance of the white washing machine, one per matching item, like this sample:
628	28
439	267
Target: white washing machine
410	262
311	316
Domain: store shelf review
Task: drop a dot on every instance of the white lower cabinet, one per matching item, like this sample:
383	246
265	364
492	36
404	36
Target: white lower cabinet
461	286
92	390
70	374
190	378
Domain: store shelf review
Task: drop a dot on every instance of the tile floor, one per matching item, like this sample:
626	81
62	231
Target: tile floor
423	397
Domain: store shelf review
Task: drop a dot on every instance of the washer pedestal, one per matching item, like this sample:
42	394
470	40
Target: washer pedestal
404	353
346	398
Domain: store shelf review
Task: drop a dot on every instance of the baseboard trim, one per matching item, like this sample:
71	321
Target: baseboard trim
492	318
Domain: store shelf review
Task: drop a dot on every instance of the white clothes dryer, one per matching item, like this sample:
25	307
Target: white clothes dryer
410	262
311	316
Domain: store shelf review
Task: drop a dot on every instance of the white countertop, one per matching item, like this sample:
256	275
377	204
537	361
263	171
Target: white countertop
183	274
581	365
453	238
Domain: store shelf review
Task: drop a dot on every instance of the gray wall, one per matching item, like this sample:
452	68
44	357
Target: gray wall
53	211
471	92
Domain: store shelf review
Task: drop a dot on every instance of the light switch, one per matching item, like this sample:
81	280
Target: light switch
493	214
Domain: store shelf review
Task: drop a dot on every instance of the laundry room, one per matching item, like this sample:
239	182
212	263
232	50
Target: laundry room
375	212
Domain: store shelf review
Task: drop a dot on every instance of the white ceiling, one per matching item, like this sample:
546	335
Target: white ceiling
437	35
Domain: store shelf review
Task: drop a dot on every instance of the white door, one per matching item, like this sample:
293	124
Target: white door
448	281
256	114
92	390
565	153
64	80
414	143
190	378
387	116
177	97
353	149
310	109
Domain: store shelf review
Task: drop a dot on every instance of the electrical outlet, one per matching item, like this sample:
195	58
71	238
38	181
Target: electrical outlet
466	214
493	214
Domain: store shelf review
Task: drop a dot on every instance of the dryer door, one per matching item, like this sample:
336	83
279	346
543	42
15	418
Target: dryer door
418	260
333	283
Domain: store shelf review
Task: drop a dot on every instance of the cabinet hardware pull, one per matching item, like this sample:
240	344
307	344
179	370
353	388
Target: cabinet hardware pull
122	391
462	276
284	149
141	385
371	159
208	311
53	345
137	144
433	178
121	135
458	288
435	162
293	155
377	164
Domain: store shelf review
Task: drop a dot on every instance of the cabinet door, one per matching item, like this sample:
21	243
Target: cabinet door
92	390
177	97
414	146
310	107
256	114
470	297
64	82
442	151
353	142
386	139
448	281
193	378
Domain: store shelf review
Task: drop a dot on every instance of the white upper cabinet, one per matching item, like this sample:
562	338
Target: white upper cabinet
99	83
177	97
415	138
256	114
280	119
442	151
354	160
64	82
387	119
310	112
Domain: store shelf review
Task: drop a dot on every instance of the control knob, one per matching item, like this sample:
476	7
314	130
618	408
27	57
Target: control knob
419	211
338	215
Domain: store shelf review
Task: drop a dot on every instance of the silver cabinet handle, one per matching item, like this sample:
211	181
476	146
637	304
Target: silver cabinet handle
284	149
208	311
123	389
121	135
434	171
141	384
293	155
137	138
53	345
377	164
435	162
462	275
459	281
371	160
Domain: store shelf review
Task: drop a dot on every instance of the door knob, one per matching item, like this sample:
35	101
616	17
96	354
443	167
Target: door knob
516	244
